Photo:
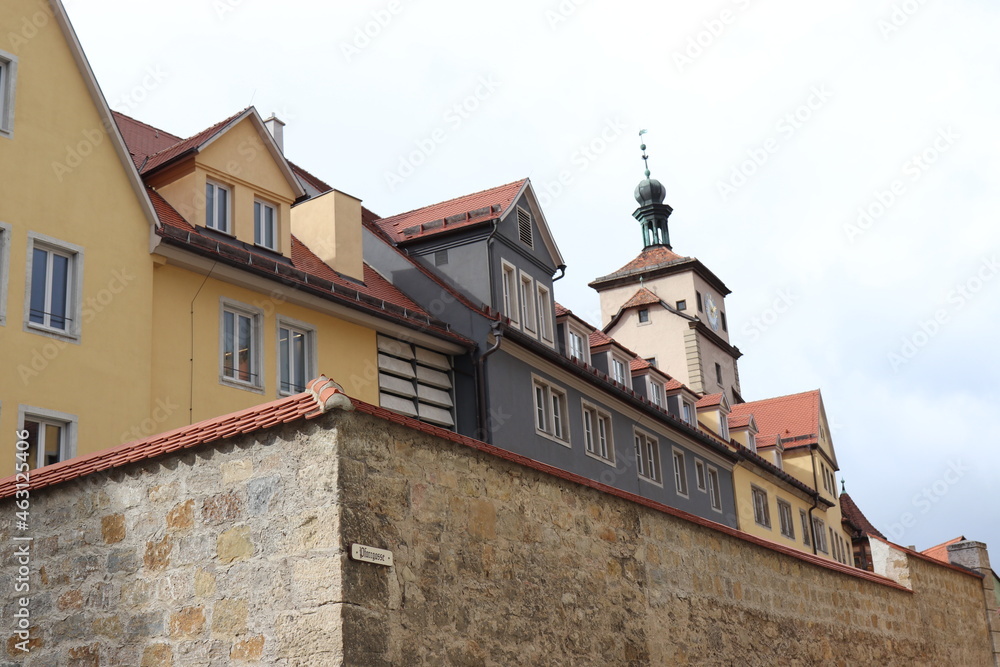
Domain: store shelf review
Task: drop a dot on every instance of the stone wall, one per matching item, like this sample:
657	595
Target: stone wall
236	553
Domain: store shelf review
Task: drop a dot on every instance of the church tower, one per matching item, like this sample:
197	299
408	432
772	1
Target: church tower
668	308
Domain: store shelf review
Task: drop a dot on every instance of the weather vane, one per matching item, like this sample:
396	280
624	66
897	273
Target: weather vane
645	158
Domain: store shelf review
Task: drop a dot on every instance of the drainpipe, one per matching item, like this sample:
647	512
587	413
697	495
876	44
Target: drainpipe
562	272
812	526
489	258
483	417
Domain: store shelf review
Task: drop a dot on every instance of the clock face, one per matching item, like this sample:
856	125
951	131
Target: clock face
713	312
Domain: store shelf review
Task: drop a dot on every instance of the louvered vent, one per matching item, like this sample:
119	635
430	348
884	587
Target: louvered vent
415	381
524	227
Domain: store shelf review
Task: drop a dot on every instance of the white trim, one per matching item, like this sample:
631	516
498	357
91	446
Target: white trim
509	302
526	301
68	422
228	189
546	321
646	438
256	316
550	391
701	482
310	352
74	291
8	88
680	474
584	335
714	488
597	413
275	220
5	241
540	222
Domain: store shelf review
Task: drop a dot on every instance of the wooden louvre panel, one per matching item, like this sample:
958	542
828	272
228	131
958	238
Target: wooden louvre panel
524	227
415	381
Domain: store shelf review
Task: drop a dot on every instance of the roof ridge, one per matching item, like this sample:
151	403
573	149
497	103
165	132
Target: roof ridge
440	203
147	125
783	396
196	134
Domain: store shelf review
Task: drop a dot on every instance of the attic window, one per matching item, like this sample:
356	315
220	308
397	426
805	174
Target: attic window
524	227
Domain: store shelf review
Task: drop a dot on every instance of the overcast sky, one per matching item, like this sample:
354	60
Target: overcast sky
833	163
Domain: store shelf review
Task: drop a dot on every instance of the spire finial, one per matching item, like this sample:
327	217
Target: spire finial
843	488
642	146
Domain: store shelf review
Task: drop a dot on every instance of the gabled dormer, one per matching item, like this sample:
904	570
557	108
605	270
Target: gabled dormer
230	180
649	382
682	402
743	429
572	335
713	414
611	358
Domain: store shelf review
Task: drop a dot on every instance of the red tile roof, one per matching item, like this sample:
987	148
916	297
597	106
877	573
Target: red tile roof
562	310
378	294
641	298
787	416
639	364
709	401
452	214
142	139
598	338
650	258
738	421
323	395
312	180
858	522
940	552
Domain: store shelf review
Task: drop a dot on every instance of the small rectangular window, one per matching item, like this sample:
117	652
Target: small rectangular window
647	456
618	371
656	393
725	327
8	80
761	512
718	374
550	411
265	225
680	474
699	473
54	287
701	308
682	305
689	414
576	347
240	345
217	207
723	426
50	437
805	528
819	532
714	489
785	517
643	316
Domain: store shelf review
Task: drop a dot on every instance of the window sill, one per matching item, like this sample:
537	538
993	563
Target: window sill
595	455
245	386
762	525
558	441
48	332
650	480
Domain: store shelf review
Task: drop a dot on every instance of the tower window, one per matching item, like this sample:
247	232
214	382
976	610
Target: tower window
725	327
682	304
643	316
718	373
701	308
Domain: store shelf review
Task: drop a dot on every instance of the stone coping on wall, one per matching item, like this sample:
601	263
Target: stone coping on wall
322	395
925	557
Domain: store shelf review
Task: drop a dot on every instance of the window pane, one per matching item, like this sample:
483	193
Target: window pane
229	345
53	441
284	365
60	289
603	435
269	226
257	222
34	432
638	456
540	408
223	210
245	353
39	265
298	361
556	416
588	430
209	205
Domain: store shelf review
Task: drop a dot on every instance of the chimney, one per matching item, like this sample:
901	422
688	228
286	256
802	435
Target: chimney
330	225
276	128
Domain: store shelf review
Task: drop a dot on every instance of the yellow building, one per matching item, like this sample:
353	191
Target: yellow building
152	281
75	275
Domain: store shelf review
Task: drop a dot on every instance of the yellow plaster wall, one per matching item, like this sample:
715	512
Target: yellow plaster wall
345	352
63	178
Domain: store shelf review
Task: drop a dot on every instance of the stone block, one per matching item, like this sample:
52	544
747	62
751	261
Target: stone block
236	471
250	649
229	618
234	544
113	528
187	623
157	655
181	516
157	555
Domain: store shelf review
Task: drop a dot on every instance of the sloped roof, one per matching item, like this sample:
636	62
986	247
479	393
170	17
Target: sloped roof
650	258
739	421
641	298
788	416
639	364
859	522
709	401
940	551
452	214
599	338
148	145
375	294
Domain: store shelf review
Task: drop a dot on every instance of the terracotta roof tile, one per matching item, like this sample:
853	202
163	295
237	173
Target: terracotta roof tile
639	364
939	552
166	155
599	338
650	258
787	416
641	298
859	523
312	180
467	210
142	139
562	310
739	421
710	400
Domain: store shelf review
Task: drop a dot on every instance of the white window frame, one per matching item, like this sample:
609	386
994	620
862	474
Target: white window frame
66	421
786	519
598	436
509	290
700	476
5	240
647	453
526	297
641	322
714	489
213	223
543	308
259	238
752	442
689	413
655	392
617	363
256	315
310	351
551	409
74	288
680	472
819	535
584	342
761	511
8	86
724	425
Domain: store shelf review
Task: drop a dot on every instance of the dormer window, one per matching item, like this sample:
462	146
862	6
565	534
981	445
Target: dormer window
644	316
217	199
265	225
656	393
618	371
576	349
752	442
723	426
690	416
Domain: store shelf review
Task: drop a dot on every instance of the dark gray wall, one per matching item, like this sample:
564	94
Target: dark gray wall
511	396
